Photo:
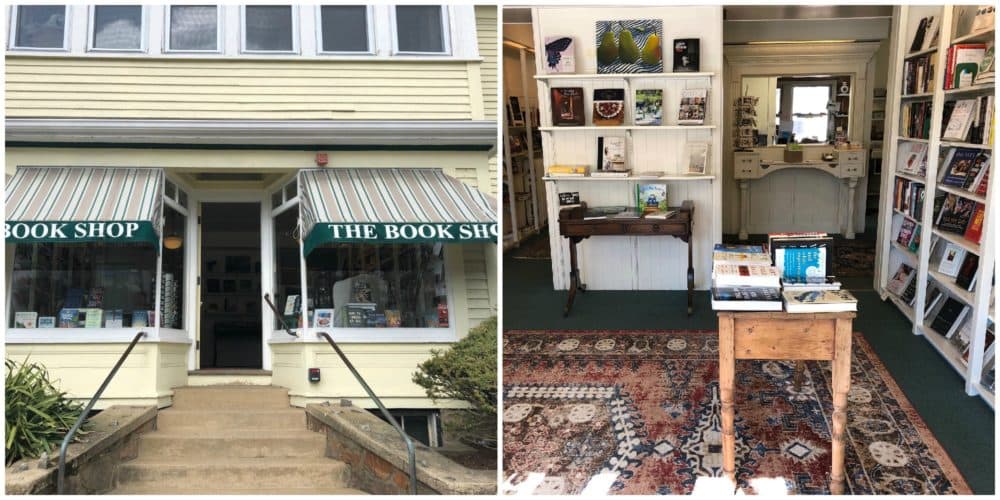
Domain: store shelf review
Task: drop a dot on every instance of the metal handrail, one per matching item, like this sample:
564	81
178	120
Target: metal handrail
410	450
385	413
267	298
86	411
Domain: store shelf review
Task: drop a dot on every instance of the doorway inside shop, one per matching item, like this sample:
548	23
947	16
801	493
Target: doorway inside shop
230	327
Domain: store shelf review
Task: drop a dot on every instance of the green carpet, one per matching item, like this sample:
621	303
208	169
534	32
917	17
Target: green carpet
963	424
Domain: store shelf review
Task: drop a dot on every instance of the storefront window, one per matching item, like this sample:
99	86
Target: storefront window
83	285
378	286
172	293
287	269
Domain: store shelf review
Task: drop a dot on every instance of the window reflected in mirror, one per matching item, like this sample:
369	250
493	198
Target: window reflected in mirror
813	109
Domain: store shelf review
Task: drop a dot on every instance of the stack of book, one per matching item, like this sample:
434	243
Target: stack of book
918	74
962	64
568	170
743	279
908	197
805	262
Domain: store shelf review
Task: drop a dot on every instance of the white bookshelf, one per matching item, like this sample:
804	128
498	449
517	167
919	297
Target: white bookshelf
522	171
955	23
629	262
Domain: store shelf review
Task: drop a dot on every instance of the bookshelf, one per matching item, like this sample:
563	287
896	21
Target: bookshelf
955	23
522	173
629	262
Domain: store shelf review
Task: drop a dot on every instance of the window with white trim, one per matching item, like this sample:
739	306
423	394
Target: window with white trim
40	27
344	29
420	29
269	28
193	28
117	27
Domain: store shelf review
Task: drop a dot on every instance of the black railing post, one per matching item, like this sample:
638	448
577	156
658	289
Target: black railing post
61	486
267	298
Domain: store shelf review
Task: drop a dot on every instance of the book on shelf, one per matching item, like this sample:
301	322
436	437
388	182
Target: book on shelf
651	197
69	317
931	299
611	154
951	259
949	317
987	67
25	319
686	55
915	240
908	197
114	318
967	272
798	235
955	214
984	18
602	212
740	254
909	293
984	181
974	232
609	107
920	34
802	257
560	54
626	214
958	164
292	305
660	214
804	284
650	174
817	301
649	107
977	171
915	122
959	120
900	279
323	318
46	322
730	275
567	106
697	155
962	64
906	231
982	120
612	173
693	107
93	317
746	298
569	199
961	339
912	158
568	170
918	74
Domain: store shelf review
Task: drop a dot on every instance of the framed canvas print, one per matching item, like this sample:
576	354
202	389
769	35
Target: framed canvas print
630	46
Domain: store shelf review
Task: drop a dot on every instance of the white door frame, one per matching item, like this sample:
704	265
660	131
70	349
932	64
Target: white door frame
261	196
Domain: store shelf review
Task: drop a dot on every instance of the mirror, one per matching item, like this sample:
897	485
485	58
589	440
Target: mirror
801	109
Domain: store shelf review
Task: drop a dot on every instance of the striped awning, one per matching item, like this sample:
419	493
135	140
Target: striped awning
392	205
81	204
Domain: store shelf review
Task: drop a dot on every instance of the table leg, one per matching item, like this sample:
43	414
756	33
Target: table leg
690	275
744	207
727	379
852	186
841	386
574	277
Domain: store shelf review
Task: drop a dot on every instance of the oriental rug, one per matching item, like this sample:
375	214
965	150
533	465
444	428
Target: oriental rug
638	412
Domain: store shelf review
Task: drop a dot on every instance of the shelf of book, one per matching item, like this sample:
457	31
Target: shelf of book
521	166
685	178
961	192
631	127
624	76
959	240
908	30
903	307
948	283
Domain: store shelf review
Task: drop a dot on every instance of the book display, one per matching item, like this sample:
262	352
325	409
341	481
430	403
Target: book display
939	213
523	194
626	117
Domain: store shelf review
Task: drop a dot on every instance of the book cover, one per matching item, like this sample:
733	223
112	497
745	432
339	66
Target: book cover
746	299
912	158
114	318
906	231
959	121
819	301
919	34
686	55
959	166
900	279
68	317
910	293
611	154
976	171
140	318
693	107
649	107
651	197
660	214
292	305
609	107
793	284
955	214
951	259
697	155
46	322
733	275
560	54
974	232
915	240
92	317
735	248
802	260
567	106
25	319
323	318
931	300
966	277
949	317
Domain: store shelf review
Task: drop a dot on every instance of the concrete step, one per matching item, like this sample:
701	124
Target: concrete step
224	473
176	418
237	443
133	489
230	397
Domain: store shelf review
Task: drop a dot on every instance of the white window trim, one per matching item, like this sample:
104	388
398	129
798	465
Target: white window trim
12	33
370	31
219	26
143	30
445	34
294	34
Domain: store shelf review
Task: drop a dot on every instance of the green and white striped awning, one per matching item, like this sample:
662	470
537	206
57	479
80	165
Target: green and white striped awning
82	204
392	205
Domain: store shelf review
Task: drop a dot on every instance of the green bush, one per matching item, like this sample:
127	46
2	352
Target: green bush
468	372
38	414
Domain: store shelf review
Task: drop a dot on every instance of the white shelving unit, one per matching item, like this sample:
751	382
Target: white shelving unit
955	23
628	262
524	205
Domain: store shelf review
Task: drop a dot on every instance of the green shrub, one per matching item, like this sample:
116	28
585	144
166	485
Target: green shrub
38	414
468	372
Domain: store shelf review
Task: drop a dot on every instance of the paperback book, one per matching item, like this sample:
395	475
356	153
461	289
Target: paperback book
901	279
611	154
949	317
649	107
609	107
966	277
817	301
651	197
560	54
567	106
746	299
25	319
796	284
686	57
951	259
733	275
693	107
740	254
956	212
959	164
46	322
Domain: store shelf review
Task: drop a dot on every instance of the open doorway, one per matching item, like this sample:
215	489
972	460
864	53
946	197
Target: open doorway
231	291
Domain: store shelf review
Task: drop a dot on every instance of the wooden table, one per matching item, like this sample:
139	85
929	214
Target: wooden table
793	337
573	226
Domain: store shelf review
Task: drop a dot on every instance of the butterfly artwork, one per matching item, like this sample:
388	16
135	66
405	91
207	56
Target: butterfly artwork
559	54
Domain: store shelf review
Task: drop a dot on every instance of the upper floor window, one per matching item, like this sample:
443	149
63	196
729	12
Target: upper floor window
269	28
40	27
344	28
117	27
420	29
193	28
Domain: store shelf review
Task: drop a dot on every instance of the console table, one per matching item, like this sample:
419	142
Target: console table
789	337
574	227
848	164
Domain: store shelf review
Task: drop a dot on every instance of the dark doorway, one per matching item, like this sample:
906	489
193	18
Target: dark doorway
230	286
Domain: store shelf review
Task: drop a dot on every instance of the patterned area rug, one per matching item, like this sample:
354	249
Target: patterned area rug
638	413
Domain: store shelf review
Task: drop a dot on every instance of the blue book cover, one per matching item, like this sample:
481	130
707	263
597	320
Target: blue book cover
732	248
958	169
801	262
68	317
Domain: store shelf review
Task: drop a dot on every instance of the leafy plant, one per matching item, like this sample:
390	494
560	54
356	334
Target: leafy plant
467	372
38	414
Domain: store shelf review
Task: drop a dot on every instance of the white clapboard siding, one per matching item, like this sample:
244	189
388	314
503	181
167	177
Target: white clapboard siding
477	286
486	30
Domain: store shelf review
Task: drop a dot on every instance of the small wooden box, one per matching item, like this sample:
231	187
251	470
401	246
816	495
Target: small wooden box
793	156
